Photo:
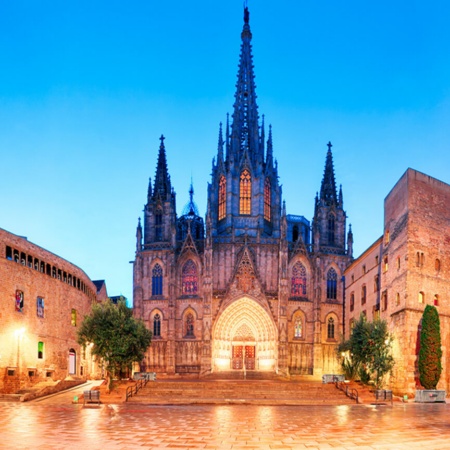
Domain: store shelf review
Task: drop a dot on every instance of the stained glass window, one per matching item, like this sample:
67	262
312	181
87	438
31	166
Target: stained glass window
222	197
267	203
157	325
19	301
332	284
40	307
190	325
157	280
298	281
189	280
245	193
40	350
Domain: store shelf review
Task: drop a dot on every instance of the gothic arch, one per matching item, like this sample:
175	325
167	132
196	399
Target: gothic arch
245	322
298	324
299	268
331	329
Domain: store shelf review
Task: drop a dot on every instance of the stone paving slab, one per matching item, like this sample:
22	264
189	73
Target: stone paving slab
58	424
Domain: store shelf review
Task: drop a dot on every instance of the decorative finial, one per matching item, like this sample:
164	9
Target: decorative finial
329	146
162	139
246	13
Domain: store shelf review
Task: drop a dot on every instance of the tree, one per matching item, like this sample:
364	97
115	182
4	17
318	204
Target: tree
118	338
430	352
368	351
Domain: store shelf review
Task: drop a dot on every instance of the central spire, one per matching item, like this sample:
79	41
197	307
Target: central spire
245	128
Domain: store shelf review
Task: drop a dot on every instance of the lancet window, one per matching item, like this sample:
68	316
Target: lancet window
157	280
189	278
245	193
157	325
330	328
332	284
267	197
298	280
331	230
158	226
190	325
298	327
222	197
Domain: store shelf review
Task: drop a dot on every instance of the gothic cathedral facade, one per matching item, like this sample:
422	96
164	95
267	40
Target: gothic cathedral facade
252	287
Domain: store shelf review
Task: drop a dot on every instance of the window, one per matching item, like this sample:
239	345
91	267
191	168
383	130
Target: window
352	301
40	350
387	237
222	197
157	325
385	263
384	301
245	193
157	279
73	317
397	299
376	283
189	281
19	301
398	262
376	260
437	265
9	253
363	295
298	281
364	268
330	328
331	229
40	307
332	284
421	297
267	198
189	325
298	328
436	300
295	233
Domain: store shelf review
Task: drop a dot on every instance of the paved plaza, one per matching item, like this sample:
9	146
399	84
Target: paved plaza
56	423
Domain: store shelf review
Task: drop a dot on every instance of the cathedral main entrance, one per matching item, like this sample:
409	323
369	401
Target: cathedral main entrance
245	336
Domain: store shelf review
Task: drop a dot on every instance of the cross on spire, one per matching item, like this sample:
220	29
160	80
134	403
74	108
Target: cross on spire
329	146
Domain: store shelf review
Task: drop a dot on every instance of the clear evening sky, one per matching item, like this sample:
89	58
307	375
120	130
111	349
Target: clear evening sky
87	88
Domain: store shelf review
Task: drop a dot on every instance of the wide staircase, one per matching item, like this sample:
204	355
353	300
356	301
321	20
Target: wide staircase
254	390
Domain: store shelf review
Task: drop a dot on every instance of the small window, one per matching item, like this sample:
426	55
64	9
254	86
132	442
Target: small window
40	307
397	299
31	373
73	317
437	265
330	328
385	263
40	350
421	297
436	300
363	295
398	262
384	301
352	301
387	237
19	301
11	372
376	283
376	260
9	253
190	326
298	330
364	268
30	261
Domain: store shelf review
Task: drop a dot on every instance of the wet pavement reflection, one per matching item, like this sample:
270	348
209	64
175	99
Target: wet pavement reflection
50	425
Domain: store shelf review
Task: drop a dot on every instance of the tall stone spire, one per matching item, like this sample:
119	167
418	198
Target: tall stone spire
328	195
245	128
162	185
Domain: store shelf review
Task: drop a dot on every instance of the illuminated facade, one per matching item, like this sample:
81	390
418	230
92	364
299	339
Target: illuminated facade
251	287
44	300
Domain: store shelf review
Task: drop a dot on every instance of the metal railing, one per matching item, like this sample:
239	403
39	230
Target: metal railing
348	391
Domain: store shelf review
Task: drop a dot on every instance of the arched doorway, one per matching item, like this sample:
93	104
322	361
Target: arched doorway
244	336
72	362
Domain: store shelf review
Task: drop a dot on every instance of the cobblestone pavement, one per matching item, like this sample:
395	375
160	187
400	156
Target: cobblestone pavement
56	423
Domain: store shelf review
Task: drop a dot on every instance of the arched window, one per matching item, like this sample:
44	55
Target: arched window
436	300
190	325
330	328
267	203
397	299
332	284
157	280
298	327
189	281
298	281
421	297
158	226
157	325
222	197
352	301
245	193
363	294
437	265
331	229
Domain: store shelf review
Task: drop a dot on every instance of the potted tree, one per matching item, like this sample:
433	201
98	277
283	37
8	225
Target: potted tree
430	355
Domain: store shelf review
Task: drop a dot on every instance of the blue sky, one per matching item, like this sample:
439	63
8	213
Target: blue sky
87	88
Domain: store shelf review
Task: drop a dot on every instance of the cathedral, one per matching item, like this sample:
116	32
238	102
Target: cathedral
251	287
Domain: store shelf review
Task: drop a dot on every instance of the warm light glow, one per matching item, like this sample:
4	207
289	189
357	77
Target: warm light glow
222	363
19	332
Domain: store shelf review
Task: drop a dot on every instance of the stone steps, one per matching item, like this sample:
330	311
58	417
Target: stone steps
240	392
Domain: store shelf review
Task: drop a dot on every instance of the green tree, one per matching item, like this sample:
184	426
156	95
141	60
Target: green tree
368	351
117	338
430	352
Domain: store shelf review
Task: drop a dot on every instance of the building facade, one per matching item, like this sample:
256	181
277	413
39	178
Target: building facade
44	300
251	287
404	270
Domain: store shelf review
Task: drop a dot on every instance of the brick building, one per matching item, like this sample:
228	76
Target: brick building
44	300
255	288
407	268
